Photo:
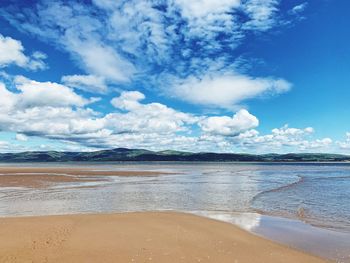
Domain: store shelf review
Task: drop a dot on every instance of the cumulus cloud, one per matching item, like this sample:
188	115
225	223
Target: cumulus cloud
61	114
43	108
136	124
286	131
228	90
316	144
52	122
146	118
229	126
12	52
8	99
128	100
133	124
284	138
39	94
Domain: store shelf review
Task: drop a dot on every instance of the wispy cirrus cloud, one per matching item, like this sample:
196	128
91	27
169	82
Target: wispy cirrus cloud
299	8
74	28
143	41
89	83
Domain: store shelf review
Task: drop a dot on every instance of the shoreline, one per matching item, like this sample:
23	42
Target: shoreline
323	242
137	237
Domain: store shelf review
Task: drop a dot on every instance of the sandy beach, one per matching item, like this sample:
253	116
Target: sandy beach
136	237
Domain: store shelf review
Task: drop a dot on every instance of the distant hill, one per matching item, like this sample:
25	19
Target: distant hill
123	154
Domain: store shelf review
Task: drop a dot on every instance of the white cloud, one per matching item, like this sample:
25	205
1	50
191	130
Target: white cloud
75	28
262	14
130	40
51	122
21	137
317	144
345	145
61	114
209	17
201	8
134	124
12	52
102	60
284	139
128	100
227	90
89	83
45	109
4	146
141	30
8	99
227	126
13	147
153	126
146	118
286	131
38	94
299	8
36	61
107	4
67	118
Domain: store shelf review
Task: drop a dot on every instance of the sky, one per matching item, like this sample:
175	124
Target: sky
243	76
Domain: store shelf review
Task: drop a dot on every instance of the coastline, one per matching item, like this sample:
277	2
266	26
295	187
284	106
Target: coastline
137	237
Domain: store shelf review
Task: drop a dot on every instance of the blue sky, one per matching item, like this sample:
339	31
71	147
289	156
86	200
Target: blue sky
252	76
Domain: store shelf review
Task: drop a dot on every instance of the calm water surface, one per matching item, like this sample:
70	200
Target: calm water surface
318	194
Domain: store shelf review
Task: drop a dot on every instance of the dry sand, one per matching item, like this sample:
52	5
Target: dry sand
44	176
136	237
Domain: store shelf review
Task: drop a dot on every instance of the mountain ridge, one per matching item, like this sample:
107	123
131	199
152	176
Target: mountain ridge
125	154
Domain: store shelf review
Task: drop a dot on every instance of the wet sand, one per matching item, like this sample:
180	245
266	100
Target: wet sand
136	237
43	176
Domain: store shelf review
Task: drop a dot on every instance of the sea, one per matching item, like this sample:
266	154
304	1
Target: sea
304	205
